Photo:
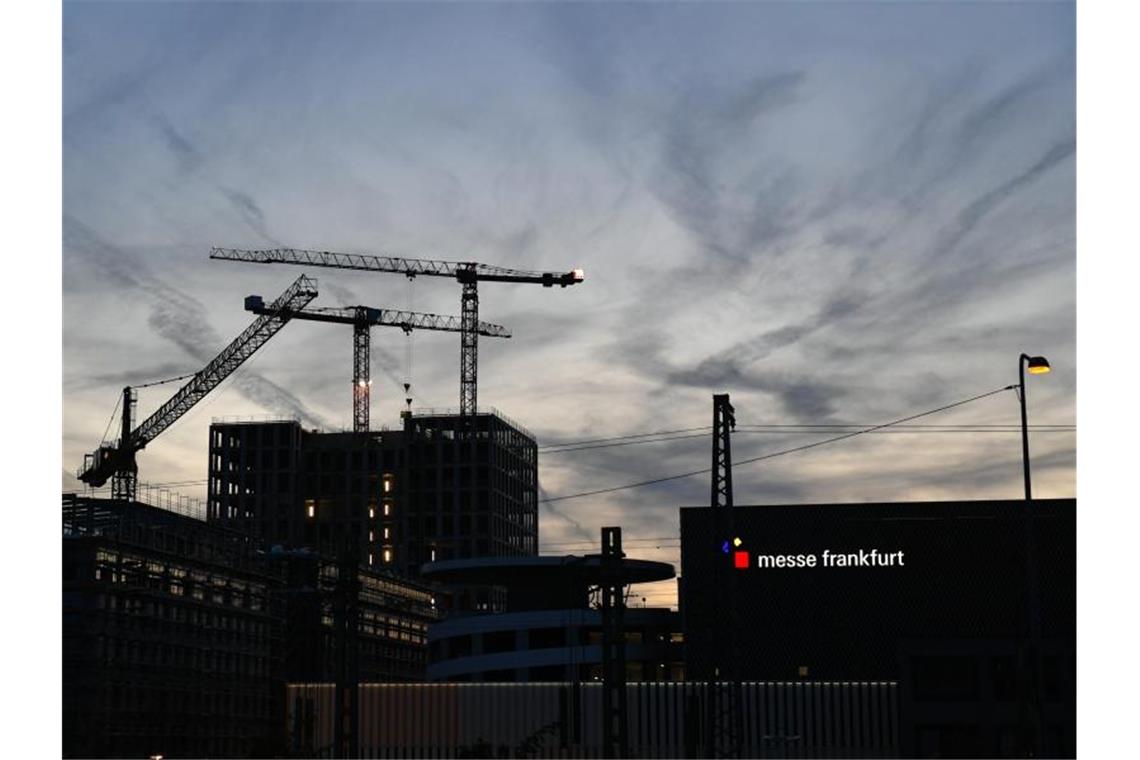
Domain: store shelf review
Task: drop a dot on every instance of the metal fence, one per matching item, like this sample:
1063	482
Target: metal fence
665	720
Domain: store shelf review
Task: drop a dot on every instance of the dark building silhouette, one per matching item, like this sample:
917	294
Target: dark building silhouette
435	490
547	628
472	494
298	488
179	635
171	636
952	618
562	720
392	614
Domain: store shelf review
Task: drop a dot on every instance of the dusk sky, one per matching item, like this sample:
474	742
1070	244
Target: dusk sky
835	213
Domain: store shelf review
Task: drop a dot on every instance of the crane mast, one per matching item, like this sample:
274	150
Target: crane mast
117	462
467	273
362	318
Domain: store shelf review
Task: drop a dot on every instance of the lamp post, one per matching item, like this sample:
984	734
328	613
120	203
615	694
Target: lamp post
1031	653
1037	365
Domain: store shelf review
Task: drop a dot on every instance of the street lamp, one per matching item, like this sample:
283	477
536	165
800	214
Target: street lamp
1031	652
1036	365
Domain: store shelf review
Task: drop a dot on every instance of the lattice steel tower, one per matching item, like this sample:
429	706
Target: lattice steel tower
725	719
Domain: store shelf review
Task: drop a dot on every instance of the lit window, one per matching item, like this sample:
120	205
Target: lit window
387	534
387	555
370	559
312	510
387	508
387	485
371	512
433	555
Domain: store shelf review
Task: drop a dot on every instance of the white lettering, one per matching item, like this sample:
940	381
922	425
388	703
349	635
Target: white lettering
859	558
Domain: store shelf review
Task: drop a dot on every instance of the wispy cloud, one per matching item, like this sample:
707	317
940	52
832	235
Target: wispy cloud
173	315
831	213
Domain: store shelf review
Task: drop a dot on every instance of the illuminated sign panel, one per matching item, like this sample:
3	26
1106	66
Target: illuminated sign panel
846	590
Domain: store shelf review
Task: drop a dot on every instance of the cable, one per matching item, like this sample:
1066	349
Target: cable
788	429
984	431
179	483
164	382
923	426
110	421
623	437
774	454
561	450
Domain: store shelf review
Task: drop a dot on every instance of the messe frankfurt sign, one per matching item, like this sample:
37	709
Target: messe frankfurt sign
742	559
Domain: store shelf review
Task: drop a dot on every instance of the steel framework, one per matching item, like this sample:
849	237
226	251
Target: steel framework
467	273
361	375
118	461
362	318
469	351
615	718
725	735
724	420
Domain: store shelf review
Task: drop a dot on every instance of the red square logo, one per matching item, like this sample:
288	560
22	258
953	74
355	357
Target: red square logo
740	560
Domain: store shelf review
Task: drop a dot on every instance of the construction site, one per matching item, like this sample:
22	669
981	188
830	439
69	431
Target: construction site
381	593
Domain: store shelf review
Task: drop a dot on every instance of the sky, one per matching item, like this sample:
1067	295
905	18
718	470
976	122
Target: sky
837	213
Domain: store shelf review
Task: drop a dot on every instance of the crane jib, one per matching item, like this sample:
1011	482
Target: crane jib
108	461
462	271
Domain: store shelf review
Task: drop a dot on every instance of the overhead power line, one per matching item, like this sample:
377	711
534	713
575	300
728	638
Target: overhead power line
796	429
623	437
774	454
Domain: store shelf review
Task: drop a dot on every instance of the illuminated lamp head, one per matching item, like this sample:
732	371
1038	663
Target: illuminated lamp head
1037	365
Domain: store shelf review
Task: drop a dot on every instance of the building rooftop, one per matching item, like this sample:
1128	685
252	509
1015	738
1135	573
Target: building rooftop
546	570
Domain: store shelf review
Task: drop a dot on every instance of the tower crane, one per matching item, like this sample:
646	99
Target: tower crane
468	273
116	462
362	318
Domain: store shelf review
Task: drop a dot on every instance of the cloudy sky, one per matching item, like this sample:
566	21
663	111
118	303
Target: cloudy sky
835	213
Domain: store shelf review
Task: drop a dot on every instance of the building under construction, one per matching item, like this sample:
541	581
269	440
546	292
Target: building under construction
443	487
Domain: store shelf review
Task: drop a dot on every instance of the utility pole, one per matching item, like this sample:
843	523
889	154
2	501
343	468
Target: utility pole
345	621
724	420
1033	706
725	719
615	719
